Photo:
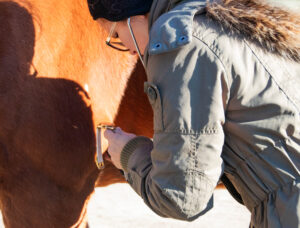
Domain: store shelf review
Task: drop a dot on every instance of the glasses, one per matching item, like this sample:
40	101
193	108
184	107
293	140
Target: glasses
115	44
119	45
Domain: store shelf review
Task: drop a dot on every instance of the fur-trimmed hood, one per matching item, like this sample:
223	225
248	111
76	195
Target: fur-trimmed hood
273	28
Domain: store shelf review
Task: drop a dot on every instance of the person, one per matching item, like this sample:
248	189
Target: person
223	79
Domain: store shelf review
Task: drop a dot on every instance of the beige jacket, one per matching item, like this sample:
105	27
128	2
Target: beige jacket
224	83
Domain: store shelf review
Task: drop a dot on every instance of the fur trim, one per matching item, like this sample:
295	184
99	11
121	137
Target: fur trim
274	29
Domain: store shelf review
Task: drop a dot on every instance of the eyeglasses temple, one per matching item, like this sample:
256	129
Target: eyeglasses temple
112	29
135	43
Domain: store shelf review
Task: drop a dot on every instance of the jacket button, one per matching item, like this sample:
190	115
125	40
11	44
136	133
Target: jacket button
151	93
182	40
157	46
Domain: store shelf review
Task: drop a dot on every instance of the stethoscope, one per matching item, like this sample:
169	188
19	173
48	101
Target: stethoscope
135	43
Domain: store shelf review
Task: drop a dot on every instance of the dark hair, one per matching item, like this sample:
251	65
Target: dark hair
117	10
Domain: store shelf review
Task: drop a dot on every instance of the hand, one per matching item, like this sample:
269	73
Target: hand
117	139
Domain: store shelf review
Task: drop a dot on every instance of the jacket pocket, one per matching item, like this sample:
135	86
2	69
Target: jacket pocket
154	98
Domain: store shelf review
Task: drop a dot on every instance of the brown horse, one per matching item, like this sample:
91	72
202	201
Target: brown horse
58	80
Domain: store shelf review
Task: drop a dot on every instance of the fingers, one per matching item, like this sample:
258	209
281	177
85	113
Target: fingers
117	139
109	134
107	156
118	130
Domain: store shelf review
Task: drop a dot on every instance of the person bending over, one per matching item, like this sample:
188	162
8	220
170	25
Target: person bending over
223	79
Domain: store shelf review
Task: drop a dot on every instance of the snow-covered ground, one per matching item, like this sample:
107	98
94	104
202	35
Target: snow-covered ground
118	206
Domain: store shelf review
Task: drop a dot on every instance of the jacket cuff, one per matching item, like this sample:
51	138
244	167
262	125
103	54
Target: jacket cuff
130	148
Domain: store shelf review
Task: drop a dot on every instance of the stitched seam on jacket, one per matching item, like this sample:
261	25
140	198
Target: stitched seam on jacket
222	64
270	72
215	54
207	131
204	179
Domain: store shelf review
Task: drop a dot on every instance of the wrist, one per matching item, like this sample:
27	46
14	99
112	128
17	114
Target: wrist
130	147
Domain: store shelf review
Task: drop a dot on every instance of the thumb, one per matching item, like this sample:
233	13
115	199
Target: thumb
108	134
118	130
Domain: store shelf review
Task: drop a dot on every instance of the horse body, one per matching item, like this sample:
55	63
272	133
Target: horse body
58	80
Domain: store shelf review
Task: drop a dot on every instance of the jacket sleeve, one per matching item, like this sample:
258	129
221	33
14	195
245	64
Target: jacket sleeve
177	172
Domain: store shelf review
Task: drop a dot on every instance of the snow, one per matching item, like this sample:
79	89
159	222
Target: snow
119	206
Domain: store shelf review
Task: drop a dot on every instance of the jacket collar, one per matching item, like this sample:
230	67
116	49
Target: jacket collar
275	29
172	29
